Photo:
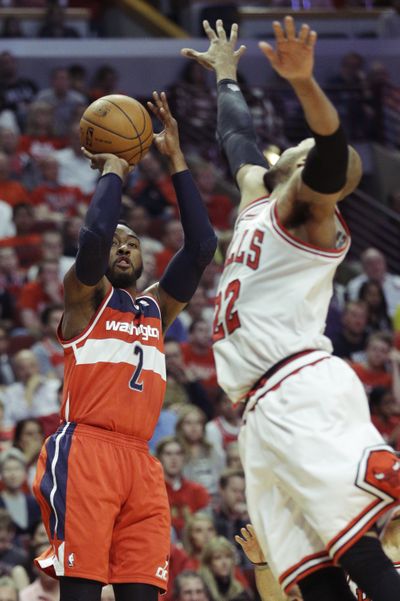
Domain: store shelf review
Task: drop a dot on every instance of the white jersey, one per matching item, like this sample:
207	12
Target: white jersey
272	299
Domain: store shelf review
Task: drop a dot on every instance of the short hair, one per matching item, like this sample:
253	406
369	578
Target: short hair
227	474
12	453
164	442
385	337
126	224
177	588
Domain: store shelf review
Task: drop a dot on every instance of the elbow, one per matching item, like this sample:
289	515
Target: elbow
207	250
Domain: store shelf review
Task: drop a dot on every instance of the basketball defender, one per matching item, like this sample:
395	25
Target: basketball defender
102	494
321	482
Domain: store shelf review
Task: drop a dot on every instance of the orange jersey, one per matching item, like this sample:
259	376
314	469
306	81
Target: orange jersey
115	370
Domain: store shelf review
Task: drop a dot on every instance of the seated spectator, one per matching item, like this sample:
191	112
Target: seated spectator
190	585
26	240
54	201
182	384
389	21
378	318
12	557
374	268
153	187
29	438
202	464
165	427
172	240
63	100
8	589
36	296
185	497
374	370
178	562
32	395
11	274
217	568
233	460
231	514
54	25
44	587
52	248
385	415
6	434
104	82
73	166
9	143
352	337
198	355
16	92
11	191
219	206
12	28
7	375
48	350
22	506
78	79
70	236
40	137
198	531
199	307
223	429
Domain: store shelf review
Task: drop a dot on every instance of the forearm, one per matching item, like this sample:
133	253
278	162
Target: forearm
320	114
267	586
177	163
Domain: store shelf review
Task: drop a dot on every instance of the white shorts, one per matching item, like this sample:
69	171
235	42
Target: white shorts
318	473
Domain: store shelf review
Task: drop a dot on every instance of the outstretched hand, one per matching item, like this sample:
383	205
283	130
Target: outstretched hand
166	141
293	56
250	545
221	55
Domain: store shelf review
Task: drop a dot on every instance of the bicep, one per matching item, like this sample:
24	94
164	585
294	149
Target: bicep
75	292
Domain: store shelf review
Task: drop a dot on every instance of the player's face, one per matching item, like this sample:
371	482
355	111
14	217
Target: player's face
125	265
221	564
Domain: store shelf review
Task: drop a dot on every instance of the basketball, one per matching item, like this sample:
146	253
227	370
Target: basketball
117	124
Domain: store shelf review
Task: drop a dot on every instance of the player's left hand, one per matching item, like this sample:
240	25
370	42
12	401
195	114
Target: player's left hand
250	545
167	140
293	56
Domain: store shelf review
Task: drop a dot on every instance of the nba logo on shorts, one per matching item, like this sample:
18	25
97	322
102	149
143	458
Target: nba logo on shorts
89	136
71	560
163	572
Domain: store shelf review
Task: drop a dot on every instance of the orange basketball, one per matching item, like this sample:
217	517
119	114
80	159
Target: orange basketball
117	124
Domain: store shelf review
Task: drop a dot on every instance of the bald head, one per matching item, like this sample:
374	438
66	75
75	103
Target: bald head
25	365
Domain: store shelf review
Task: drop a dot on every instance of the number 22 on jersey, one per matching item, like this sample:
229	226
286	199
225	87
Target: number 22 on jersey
226	321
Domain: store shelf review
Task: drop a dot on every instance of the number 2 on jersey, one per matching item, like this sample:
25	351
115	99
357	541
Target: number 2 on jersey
229	322
134	383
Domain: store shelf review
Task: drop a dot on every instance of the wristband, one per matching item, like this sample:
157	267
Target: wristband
261	564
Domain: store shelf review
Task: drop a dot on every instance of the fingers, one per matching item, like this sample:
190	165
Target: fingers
210	33
278	31
311	40
220	30
304	32
239	540
234	34
268	51
240	51
290	28
190	53
87	154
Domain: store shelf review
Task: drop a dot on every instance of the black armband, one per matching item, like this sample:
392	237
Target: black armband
325	169
235	130
96	235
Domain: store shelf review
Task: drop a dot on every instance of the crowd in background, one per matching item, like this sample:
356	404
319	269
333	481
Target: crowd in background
45	187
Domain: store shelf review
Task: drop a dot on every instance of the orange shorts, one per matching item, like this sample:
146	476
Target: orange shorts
105	507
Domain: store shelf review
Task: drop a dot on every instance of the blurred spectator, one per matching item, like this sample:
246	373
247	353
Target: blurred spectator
172	240
219	206
165	427
10	554
7	227
78	78
198	355
32	395
153	187
389	21
70	235
182	384
351	96
74	169
139	220
40	137
105	82
8	589
11	191
9	143
54	26
22	506
199	307
53	200
26	240
385	415
12	276
353	334
374	268
190	586
44	587
224	429
199	530
16	92
7	306
7	375
202	463
217	569
378	79
185	497
233	460
178	562
231	514
12	28
374	370
62	98
51	248
378	318
36	296
6	434
29	438
48	350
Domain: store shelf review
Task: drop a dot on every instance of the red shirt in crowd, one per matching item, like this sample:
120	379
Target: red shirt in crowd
371	378
61	199
203	364
13	192
188	499
33	296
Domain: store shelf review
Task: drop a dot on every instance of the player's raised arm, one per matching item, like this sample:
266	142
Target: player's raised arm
183	273
234	123
86	278
332	170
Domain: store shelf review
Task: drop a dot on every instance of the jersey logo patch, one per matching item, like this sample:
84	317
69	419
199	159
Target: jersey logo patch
162	572
379	473
145	331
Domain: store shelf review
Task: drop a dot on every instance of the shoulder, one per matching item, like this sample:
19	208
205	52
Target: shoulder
250	179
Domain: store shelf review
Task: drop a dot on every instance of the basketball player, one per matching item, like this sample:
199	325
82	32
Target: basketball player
321	482
102	494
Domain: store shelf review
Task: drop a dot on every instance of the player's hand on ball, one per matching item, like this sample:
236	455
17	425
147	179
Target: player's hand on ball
293	55
250	545
167	141
221	53
108	163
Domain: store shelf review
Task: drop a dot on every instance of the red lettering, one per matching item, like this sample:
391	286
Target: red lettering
253	258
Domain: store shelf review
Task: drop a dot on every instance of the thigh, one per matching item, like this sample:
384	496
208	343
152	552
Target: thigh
141	538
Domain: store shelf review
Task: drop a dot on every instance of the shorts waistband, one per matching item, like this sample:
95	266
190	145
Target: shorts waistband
116	438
